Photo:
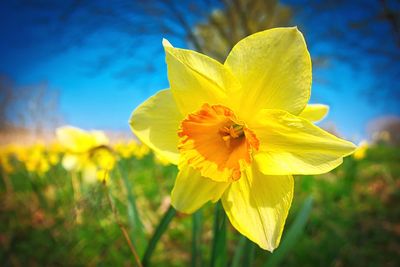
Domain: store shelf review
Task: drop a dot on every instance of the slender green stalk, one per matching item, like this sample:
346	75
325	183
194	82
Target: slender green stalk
6	180
249	253
33	179
163	225
122	228
239	251
218	253
136	226
197	220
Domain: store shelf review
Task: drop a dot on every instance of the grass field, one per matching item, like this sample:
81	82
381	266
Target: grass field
52	217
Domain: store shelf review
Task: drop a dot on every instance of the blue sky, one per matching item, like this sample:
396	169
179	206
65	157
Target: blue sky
103	98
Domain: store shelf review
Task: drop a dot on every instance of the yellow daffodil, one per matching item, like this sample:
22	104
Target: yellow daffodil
361	150
54	153
236	130
34	158
37	161
6	153
5	163
314	112
86	152
131	149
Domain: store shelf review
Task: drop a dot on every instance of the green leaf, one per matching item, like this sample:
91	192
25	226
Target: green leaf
249	253
239	251
197	220
292	235
135	224
162	226
219	253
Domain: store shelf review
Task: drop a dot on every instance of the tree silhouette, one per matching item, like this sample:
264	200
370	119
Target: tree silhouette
237	19
364	34
33	106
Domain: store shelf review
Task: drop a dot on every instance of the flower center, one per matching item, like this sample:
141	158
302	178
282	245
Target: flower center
231	132
213	141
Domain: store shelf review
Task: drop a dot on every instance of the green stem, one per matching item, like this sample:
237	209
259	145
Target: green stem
163	225
249	253
33	179
197	219
218	253
122	227
239	251
137	233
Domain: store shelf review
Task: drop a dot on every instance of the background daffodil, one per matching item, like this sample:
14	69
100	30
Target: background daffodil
238	131
361	150
86	152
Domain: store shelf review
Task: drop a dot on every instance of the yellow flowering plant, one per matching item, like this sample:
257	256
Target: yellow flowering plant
131	149
361	150
240	130
36	159
6	155
86	152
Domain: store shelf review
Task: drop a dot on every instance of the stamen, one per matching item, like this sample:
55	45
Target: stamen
232	132
238	130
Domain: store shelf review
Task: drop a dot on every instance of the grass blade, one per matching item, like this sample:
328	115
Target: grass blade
197	220
163	225
218	253
239	251
249	253
137	233
122	227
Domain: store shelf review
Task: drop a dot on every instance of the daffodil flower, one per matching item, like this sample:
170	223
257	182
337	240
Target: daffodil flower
86	152
34	158
361	150
238	131
6	156
37	161
131	149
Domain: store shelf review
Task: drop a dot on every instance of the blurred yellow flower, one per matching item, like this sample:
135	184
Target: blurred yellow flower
34	158
6	153
131	149
54	153
86	152
37	158
361	150
37	162
236	130
53	158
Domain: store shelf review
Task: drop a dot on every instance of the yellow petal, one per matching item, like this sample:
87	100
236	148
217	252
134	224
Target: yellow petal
99	138
70	162
73	139
77	140
257	206
314	112
191	190
361	150
155	122
103	158
293	145
196	79
89	173
274	70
